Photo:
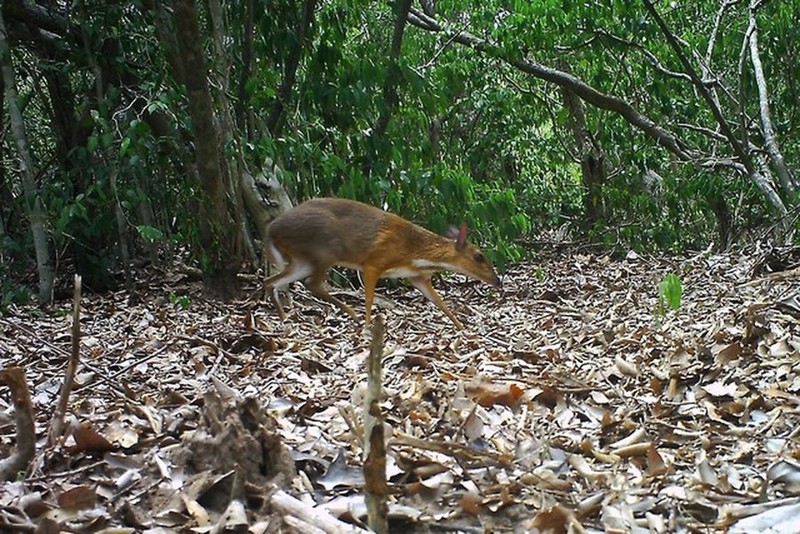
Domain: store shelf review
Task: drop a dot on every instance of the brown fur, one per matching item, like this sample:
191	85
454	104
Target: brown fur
324	232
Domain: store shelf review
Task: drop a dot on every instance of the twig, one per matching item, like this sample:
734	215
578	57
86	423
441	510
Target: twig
375	488
452	449
128	367
67	473
779	276
57	425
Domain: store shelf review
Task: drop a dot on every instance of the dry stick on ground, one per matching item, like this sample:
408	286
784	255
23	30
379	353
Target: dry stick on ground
98	374
57	426
14	378
374	441
314	519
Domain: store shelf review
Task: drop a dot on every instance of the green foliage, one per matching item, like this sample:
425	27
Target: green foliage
11	292
472	139
181	300
149	233
670	291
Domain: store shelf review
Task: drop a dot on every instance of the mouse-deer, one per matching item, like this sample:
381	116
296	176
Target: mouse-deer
309	239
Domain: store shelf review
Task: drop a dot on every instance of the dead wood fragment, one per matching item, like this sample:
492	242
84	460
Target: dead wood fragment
375	489
14	378
320	519
57	425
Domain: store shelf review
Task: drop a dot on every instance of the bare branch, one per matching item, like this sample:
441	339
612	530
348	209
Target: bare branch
707	96
715	31
591	95
648	54
739	100
787	181
708	132
57	423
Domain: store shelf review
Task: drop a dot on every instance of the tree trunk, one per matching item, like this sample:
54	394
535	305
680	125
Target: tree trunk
219	236
6	197
33	201
591	157
265	199
290	72
787	181
390	99
243	114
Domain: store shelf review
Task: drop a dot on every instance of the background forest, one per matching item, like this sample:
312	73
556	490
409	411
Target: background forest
134	130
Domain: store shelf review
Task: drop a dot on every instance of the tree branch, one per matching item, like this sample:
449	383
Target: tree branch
39	16
587	93
787	181
648	54
701	88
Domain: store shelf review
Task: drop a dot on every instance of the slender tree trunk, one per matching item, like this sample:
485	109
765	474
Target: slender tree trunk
390	99
722	212
788	183
218	233
167	38
290	73
591	156
6	198
235	173
231	169
33	201
243	115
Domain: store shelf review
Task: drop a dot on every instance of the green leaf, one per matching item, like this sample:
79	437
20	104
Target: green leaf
149	233
123	148
670	290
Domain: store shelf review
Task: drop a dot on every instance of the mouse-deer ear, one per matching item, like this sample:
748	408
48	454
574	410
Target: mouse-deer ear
460	236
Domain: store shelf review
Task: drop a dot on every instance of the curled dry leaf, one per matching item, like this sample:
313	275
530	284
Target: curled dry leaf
555	520
471	503
488	394
625	367
87	439
636	449
77	498
583	468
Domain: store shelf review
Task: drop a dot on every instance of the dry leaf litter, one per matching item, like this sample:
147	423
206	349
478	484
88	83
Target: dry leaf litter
568	404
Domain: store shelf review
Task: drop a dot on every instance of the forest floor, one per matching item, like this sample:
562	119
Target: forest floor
568	403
